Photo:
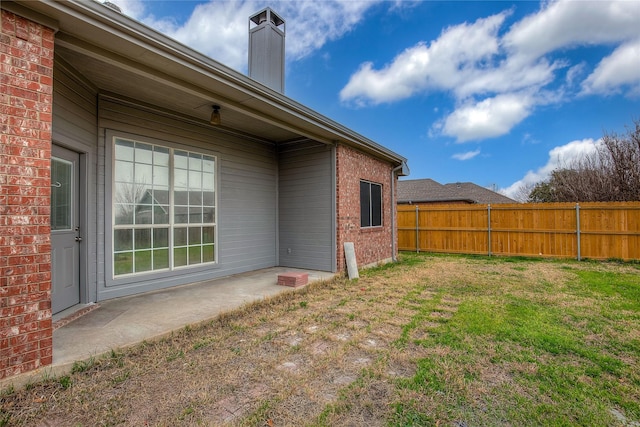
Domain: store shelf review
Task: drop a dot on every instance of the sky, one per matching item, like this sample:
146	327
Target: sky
497	93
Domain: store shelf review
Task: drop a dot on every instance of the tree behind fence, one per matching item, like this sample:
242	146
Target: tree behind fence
562	230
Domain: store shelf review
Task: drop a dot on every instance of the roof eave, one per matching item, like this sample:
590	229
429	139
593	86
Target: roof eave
297	117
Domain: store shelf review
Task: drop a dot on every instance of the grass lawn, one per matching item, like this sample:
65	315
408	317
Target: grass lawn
432	340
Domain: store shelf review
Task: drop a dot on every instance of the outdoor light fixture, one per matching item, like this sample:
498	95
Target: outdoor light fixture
215	116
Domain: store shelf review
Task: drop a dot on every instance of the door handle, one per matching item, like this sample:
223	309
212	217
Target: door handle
78	239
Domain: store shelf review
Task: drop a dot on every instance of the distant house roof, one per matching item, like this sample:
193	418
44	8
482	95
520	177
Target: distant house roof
478	194
429	191
424	190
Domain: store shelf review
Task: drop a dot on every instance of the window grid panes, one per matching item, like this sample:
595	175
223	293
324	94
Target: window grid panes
370	204
164	208
194	208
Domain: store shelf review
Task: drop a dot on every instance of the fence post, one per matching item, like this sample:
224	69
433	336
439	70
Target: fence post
578	229
489	225
417	229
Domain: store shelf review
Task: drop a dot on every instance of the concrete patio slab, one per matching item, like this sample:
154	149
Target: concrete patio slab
126	321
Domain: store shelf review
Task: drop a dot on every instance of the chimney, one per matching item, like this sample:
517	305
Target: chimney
266	49
112	6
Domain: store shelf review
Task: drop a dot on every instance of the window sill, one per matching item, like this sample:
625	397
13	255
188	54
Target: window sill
372	229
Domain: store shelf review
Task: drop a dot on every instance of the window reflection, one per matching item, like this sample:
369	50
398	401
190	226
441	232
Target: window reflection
163	216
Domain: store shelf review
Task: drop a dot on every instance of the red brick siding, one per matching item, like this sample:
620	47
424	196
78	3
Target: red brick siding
26	79
371	244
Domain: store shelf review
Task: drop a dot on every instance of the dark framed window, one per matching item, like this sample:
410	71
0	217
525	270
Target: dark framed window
370	204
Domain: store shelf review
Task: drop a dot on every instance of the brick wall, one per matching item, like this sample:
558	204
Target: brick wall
26	79
371	244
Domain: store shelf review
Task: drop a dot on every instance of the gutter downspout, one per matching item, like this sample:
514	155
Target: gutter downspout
393	210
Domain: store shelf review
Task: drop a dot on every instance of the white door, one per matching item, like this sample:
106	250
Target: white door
65	229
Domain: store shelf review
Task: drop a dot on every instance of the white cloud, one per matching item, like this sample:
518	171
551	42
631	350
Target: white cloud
569	23
219	29
488	118
487	71
311	24
618	70
445	63
559	157
512	74
574	73
467	155
529	139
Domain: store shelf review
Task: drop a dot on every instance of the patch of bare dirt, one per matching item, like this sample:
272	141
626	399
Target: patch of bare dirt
325	352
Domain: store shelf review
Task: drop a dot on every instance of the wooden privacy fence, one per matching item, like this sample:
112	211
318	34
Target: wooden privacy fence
563	230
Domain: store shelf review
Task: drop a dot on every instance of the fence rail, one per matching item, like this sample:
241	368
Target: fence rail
562	230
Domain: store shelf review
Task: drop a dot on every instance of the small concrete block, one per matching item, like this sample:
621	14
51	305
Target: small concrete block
293	280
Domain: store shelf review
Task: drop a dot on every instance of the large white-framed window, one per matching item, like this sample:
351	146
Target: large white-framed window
370	204
164	207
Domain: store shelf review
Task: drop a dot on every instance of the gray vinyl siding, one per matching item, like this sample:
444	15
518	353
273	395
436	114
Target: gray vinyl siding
246	204
306	207
74	126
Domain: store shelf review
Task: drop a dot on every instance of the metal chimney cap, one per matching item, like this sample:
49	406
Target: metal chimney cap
112	6
265	15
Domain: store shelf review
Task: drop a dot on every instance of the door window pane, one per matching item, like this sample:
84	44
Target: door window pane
61	194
